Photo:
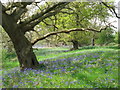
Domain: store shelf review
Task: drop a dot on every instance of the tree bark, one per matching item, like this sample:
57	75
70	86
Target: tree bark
75	44
24	51
22	46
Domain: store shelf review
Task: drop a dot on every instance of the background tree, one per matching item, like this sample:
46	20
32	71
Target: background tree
81	15
105	37
116	38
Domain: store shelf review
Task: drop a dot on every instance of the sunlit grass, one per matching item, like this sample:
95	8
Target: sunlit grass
87	68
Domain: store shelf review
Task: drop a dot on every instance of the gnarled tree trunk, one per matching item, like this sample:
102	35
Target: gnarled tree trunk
24	51
23	47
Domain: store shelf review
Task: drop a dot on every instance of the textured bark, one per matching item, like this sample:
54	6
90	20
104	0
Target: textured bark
24	52
23	47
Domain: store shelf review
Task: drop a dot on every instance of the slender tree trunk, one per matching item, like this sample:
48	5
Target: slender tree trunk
22	46
93	41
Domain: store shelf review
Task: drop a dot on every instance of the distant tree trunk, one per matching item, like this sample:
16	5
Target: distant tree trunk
93	41
23	47
75	44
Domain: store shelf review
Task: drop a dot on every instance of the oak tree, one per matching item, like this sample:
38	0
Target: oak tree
17	19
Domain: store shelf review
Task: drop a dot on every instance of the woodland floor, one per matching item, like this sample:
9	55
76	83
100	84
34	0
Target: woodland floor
88	67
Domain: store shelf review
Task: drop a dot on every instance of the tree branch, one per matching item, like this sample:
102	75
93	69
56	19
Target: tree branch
38	15
67	32
3	7
34	23
16	4
18	7
20	10
67	12
50	24
111	9
10	7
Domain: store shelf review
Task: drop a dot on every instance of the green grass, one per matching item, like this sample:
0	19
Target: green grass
84	68
9	60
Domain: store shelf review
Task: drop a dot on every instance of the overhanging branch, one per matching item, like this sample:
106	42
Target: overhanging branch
67	32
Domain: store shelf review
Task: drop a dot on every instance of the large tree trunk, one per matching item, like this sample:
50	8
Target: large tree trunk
24	51
23	47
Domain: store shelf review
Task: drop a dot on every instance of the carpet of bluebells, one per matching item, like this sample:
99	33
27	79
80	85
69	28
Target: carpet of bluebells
96	68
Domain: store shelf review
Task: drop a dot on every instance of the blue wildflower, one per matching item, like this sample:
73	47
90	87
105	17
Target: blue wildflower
95	56
66	82
49	77
72	82
15	86
63	70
